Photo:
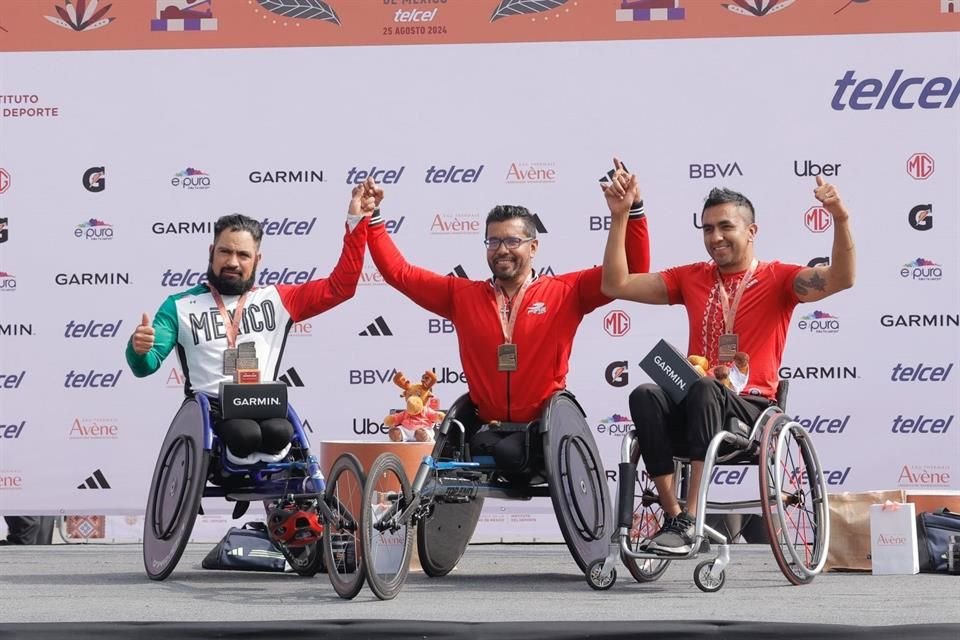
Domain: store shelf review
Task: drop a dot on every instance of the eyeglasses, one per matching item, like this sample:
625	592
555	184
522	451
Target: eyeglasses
493	244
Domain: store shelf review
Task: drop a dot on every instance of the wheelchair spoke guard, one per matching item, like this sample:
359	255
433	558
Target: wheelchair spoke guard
341	535
175	491
443	536
578	485
387	541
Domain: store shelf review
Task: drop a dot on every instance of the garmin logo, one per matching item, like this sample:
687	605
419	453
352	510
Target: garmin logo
285	177
92	279
819	373
671	374
256	402
921	320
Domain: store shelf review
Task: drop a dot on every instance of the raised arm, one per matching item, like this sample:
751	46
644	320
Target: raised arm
313	298
816	283
619	278
430	290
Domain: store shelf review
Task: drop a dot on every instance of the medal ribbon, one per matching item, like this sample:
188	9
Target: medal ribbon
730	311
232	327
509	318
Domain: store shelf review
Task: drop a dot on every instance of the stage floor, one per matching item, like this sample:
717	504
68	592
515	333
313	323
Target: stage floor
493	584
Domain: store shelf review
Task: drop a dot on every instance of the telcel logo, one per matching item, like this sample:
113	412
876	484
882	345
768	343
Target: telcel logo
11	431
921	424
731	476
381	176
92	329
452	174
11	380
91	378
264	278
920	373
898	91
834	477
824	424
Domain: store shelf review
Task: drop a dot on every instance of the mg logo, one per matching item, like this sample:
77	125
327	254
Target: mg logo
817	219
4	180
616	323
920	166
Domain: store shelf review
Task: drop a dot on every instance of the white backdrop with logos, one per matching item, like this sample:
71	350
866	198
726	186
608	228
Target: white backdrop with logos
876	366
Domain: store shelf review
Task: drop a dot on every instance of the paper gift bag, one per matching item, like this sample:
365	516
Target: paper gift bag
850	527
893	539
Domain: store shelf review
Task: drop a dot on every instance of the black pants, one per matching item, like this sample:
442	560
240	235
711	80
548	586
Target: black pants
29	529
665	429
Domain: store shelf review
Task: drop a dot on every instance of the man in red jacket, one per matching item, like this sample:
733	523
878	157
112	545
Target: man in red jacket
515	330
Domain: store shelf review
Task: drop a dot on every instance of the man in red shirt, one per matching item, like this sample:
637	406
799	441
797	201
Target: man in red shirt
735	303
515	330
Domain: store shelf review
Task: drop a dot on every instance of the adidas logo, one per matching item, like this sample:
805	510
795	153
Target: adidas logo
539	224
95	481
377	328
459	272
291	378
256	553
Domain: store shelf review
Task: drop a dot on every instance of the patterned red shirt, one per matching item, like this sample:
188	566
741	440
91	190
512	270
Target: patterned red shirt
762	320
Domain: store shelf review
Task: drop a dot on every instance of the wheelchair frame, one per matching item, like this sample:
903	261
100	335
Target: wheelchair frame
464	483
766	444
184	475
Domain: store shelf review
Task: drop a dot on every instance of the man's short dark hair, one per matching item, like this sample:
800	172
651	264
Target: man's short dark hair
719	196
503	212
238	222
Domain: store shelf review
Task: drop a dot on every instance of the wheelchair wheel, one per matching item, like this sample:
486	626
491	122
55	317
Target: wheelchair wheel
306	561
596	579
706	582
793	494
443	536
647	520
341	536
577	482
386	542
175	491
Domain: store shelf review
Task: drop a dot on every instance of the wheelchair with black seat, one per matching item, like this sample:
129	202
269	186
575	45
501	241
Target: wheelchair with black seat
792	500
553	456
194	463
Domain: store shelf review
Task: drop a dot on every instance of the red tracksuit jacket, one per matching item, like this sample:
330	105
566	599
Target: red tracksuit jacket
553	308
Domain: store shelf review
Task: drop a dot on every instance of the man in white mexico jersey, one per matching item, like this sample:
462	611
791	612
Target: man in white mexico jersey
228	321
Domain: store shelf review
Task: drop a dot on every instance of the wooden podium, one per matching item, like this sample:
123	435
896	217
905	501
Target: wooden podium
410	453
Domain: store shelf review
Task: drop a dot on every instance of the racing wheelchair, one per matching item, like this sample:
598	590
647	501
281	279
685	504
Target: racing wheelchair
553	456
792	500
312	521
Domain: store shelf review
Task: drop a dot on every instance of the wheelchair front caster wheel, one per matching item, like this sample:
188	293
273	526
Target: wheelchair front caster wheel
596	579
705	581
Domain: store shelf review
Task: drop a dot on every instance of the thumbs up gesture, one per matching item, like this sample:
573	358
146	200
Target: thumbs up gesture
828	196
142	338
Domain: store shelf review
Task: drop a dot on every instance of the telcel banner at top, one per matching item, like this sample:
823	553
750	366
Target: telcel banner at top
60	25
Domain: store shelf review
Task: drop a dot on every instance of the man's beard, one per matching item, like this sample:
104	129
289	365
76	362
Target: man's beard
229	286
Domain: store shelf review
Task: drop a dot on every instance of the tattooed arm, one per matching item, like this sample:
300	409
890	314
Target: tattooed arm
815	283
